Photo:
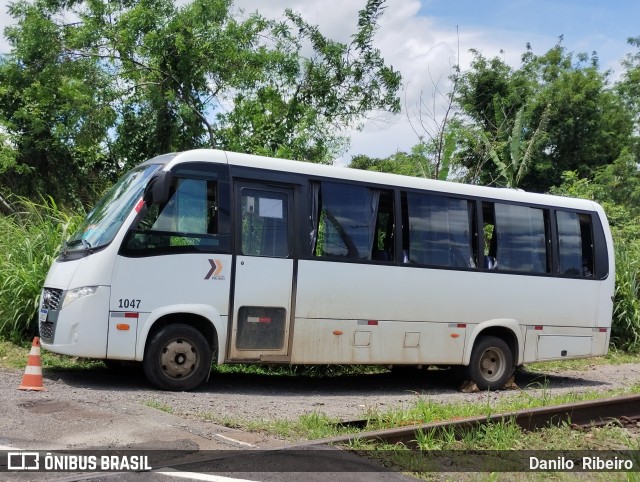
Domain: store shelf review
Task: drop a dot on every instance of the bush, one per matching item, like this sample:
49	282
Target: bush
30	240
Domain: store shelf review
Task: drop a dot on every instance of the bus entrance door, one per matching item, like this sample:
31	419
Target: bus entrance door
263	273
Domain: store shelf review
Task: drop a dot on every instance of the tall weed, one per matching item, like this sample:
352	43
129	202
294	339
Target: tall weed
30	239
625	330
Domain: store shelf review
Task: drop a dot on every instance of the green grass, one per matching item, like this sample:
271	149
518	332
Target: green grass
163	407
427	411
15	355
614	357
312	371
317	425
312	425
507	437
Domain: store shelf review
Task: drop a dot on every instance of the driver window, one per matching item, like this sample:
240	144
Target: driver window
190	209
187	221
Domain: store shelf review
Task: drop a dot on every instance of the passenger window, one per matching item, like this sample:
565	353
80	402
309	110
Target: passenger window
188	220
439	230
352	221
264	223
575	244
518	238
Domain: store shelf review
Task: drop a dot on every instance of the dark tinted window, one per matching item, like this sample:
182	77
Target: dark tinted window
521	242
575	244
440	231
352	221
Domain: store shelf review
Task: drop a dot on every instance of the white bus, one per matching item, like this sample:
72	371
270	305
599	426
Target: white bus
210	256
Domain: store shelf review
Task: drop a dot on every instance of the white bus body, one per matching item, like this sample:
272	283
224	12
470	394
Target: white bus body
210	255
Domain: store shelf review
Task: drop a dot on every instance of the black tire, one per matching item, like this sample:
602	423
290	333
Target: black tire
177	358
491	363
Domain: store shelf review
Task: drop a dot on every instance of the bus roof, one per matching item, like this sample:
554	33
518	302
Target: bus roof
372	177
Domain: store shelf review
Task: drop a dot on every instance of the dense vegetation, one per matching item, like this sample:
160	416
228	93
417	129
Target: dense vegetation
83	100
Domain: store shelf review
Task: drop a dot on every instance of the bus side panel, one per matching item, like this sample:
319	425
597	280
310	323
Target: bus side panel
557	343
386	342
344	292
148	284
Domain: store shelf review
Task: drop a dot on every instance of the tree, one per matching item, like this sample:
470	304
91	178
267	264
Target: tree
587	127
419	162
301	100
54	109
512	157
629	89
128	80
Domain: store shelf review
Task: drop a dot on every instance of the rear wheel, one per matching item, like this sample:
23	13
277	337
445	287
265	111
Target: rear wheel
177	358
491	363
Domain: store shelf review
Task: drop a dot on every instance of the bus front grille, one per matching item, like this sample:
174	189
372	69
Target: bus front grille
51	298
46	330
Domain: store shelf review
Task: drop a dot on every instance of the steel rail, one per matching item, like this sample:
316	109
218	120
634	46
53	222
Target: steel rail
592	412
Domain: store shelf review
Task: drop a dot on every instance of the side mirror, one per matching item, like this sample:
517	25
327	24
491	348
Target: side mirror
157	190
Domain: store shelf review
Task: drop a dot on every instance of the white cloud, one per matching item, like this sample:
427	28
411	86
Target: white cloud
337	18
5	20
423	51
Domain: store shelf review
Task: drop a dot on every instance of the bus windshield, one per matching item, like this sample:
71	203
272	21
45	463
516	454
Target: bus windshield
105	219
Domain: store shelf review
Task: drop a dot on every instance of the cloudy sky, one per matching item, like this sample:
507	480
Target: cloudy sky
418	37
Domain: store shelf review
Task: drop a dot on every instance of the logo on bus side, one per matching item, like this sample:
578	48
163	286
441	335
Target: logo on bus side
215	270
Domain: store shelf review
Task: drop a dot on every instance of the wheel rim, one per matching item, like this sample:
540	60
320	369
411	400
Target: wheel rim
492	364
179	358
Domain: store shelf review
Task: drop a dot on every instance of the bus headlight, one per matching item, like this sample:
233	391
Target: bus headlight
73	295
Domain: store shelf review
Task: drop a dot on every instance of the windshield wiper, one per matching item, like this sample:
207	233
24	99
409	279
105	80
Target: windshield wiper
67	244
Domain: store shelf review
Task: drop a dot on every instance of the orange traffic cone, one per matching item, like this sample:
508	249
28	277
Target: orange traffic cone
32	379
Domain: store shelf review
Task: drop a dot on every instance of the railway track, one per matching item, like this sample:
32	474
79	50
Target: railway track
623	409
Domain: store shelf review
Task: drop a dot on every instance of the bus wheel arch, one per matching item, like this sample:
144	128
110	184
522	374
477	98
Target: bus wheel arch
179	350
493	357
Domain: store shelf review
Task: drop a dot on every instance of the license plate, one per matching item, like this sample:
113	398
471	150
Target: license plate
43	314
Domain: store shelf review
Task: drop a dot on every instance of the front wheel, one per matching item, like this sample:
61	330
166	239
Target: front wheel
491	363
177	358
